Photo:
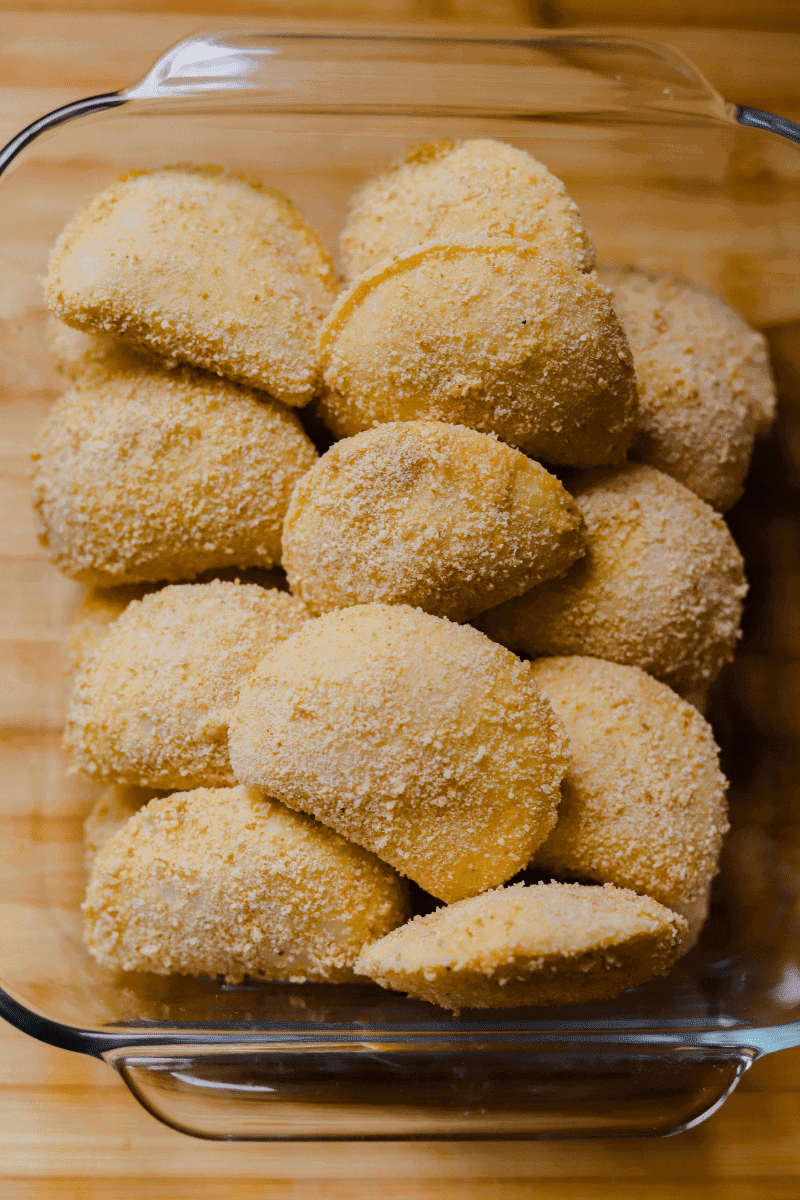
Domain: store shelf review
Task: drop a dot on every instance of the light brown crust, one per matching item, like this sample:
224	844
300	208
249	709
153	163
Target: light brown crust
419	739
227	882
552	943
96	611
151	706
201	266
704	381
145	474
491	335
661	585
100	606
643	800
75	352
110	813
477	188
432	515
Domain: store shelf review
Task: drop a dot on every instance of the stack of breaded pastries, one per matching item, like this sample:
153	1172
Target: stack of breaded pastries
470	639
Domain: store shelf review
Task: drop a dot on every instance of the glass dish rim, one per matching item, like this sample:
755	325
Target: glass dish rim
104	1040
741	114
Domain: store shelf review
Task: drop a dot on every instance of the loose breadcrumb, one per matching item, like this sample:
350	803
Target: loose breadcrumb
432	515
553	943
416	738
478	188
227	882
661	585
704	381
643	800
144	473
201	266
152	704
491	335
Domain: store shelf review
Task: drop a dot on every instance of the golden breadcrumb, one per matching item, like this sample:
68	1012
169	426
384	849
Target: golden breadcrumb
661	585
227	882
432	515
201	266
416	738
75	352
479	188
553	943
145	473
491	335
114	809
704	381
100	606
152	704
643	800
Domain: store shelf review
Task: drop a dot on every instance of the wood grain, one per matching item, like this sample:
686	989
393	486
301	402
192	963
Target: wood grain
68	1120
717	14
78	53
68	1127
524	1188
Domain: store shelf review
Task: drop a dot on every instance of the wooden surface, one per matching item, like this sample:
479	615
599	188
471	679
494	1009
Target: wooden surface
68	1127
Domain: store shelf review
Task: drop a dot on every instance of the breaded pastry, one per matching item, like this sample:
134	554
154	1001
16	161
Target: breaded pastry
432	515
704	381
661	585
416	738
201	266
227	882
75	352
151	706
145	473
491	335
114	809
451	190
553	943
643	800
100	606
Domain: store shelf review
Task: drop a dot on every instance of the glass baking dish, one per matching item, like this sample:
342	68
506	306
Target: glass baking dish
667	176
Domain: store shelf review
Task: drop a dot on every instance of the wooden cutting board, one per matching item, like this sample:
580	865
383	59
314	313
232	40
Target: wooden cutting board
68	1127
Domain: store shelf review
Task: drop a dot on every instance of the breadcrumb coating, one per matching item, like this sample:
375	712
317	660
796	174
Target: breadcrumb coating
100	606
661	585
552	943
152	704
704	381
75	352
478	188
145	473
416	738
227	882
491	335
201	266
96	611
432	515
643	800
113	809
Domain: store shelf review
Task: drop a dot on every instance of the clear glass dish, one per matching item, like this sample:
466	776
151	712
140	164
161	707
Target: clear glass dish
667	176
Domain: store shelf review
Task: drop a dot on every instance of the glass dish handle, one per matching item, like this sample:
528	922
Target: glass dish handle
279	72
400	1091
758	119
